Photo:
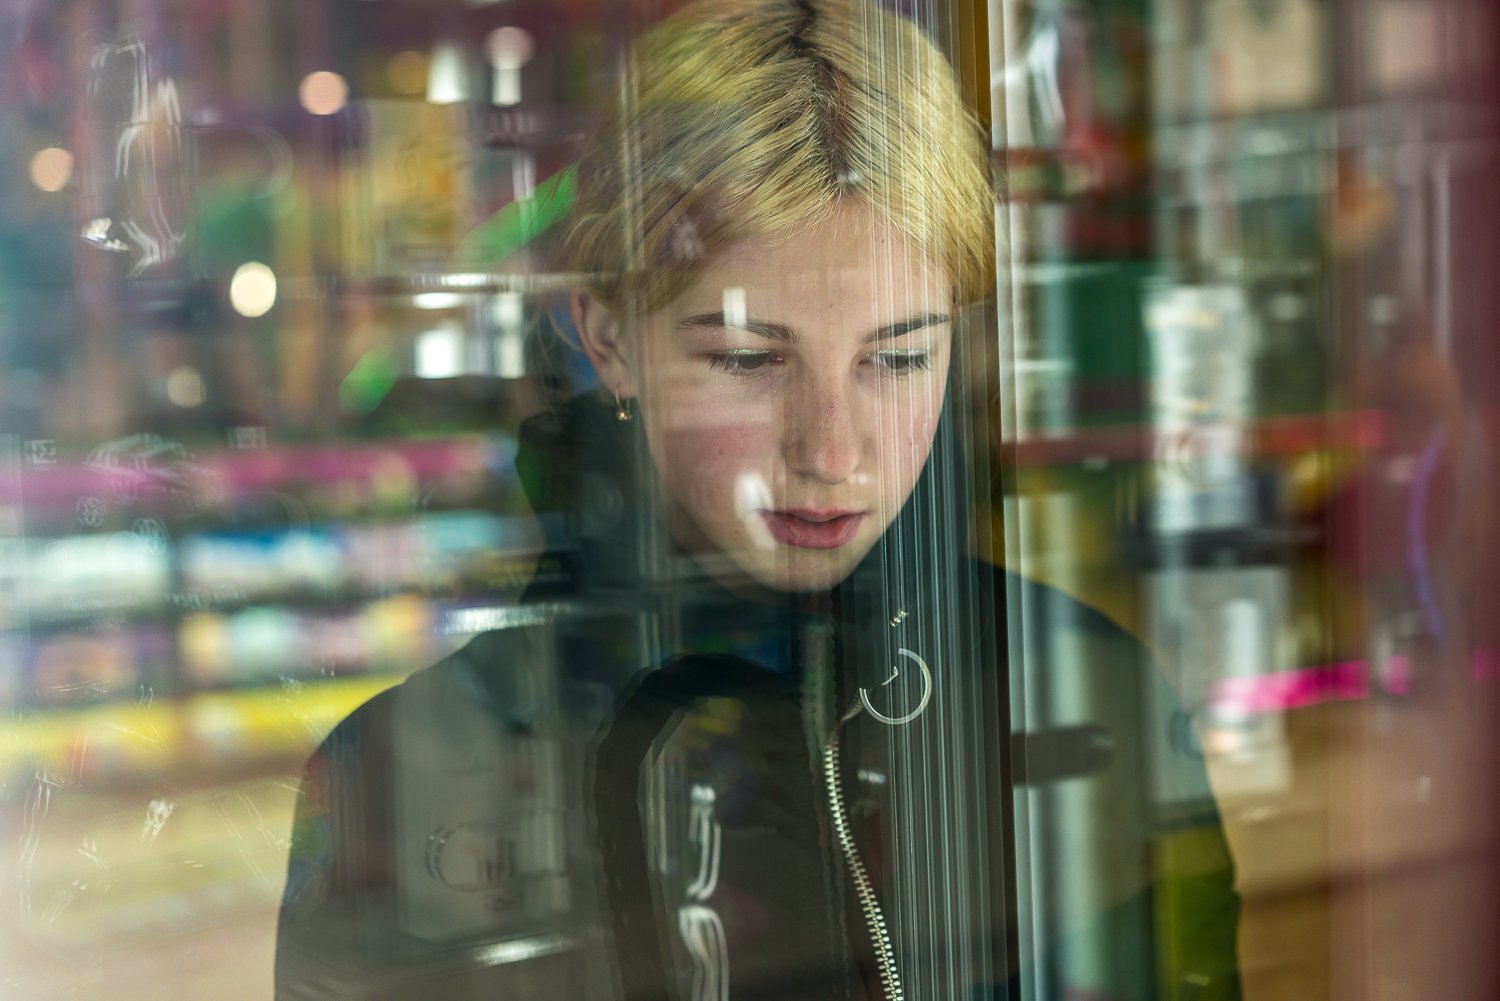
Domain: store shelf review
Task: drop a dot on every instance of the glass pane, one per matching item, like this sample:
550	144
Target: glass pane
747	499
1251	420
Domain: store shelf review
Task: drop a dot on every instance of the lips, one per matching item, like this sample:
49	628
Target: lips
807	528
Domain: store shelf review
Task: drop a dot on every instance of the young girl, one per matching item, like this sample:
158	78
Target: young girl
758	743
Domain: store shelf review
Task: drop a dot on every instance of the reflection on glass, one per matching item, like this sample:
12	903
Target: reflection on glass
619	500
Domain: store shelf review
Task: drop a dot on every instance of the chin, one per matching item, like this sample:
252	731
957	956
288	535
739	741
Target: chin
821	573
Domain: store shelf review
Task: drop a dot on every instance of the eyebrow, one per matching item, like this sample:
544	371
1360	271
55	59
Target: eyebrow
781	332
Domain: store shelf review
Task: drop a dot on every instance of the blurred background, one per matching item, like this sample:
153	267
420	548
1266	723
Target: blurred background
275	297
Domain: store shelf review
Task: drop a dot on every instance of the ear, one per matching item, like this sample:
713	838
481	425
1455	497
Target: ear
600	334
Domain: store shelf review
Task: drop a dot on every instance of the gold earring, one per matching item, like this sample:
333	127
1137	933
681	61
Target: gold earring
622	409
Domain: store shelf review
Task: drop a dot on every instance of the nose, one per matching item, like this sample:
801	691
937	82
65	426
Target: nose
823	439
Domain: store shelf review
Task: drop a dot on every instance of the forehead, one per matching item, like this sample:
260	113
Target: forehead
850	261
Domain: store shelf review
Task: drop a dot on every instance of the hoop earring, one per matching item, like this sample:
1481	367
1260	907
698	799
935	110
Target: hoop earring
622	409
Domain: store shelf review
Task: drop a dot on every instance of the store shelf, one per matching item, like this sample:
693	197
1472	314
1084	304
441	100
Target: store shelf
127	741
1352	430
1317	130
147	470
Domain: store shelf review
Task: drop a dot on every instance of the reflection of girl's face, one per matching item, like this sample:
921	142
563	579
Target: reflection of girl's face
790	398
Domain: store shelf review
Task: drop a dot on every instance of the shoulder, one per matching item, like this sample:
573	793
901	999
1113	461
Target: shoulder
473	674
1084	669
1040	622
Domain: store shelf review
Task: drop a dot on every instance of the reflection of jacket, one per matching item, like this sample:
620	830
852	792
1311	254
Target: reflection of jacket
538	817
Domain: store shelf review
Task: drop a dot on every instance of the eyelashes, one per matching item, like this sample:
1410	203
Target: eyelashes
905	361
749	362
745	362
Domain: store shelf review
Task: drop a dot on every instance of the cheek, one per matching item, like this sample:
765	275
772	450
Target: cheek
908	444
707	468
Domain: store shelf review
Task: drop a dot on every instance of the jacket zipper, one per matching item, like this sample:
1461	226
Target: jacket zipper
885	956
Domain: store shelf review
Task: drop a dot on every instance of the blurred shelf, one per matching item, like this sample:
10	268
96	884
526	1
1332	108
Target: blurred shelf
168	608
1187	144
142	739
461	278
1350	430
143	468
464	282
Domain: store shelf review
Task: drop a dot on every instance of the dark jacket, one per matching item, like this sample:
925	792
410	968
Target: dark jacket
649	788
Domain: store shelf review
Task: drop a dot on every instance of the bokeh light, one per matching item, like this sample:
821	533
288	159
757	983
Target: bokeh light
437	300
447	75
252	290
51	168
185	386
440	352
510	47
323	92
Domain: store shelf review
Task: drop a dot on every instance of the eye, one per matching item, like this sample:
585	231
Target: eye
904	361
743	362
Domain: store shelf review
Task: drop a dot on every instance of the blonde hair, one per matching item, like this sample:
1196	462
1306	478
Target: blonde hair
740	118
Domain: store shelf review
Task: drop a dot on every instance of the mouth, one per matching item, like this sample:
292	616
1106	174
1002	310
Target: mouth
809	528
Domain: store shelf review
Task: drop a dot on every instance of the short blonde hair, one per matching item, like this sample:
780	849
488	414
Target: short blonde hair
740	118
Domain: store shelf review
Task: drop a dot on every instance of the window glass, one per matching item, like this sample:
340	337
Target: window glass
748	498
